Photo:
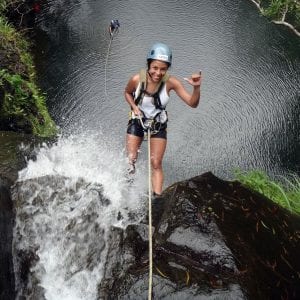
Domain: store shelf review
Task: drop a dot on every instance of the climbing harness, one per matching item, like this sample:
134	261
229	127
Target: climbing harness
159	121
156	124
143	90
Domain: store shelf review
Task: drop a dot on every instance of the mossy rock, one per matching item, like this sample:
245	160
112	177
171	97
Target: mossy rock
22	104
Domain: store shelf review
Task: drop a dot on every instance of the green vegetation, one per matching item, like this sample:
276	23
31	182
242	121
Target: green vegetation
286	194
2	6
283	10
22	104
286	12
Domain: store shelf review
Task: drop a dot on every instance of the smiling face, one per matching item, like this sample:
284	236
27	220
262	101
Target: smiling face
157	69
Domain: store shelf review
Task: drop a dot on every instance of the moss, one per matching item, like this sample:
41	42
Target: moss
22	104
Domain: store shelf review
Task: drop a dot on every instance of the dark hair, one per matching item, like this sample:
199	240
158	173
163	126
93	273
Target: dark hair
149	61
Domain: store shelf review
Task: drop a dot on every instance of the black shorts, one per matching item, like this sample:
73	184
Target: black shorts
134	127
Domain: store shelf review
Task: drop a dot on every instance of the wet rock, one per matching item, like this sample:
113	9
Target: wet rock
212	240
215	240
58	220
7	284
16	149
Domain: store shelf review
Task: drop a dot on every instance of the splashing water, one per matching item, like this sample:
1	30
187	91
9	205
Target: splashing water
68	199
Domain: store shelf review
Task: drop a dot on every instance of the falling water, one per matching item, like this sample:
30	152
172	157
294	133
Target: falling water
68	199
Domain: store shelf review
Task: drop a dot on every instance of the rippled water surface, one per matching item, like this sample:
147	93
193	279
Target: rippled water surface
249	111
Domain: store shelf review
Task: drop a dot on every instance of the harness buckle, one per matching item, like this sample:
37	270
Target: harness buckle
148	123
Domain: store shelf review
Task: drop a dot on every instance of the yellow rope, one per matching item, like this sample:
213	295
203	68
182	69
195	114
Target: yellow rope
150	220
161	273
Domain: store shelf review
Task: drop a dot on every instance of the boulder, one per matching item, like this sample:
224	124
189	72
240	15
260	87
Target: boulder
215	240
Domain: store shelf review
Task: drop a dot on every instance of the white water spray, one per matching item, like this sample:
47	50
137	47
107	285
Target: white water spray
71	196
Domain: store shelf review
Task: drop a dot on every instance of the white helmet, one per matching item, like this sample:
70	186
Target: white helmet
161	52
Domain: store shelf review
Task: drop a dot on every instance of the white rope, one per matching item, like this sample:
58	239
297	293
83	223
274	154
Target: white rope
149	181
105	66
107	55
150	218
148	127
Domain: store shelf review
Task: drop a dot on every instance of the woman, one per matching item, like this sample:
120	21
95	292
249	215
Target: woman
148	101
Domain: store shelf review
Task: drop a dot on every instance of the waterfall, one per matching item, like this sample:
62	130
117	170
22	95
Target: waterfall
67	199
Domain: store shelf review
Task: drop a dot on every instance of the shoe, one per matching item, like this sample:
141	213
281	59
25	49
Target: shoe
130	174
154	195
158	204
131	169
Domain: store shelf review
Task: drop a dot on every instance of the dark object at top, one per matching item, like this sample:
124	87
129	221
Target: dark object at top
114	24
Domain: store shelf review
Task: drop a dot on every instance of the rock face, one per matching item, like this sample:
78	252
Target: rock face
58	219
214	240
22	104
7	285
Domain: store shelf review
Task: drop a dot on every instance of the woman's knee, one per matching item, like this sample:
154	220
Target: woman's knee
156	164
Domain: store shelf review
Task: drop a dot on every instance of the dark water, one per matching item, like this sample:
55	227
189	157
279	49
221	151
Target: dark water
248	117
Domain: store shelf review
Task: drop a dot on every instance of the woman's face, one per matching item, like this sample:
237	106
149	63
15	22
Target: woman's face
157	69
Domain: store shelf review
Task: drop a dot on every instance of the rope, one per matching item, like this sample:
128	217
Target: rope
148	128
150	218
107	55
105	66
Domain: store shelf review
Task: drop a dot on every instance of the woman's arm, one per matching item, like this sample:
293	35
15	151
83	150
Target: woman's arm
129	90
191	99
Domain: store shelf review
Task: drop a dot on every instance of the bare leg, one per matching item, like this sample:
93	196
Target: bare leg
158	147
133	144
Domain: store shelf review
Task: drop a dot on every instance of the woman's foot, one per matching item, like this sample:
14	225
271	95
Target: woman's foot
131	169
155	195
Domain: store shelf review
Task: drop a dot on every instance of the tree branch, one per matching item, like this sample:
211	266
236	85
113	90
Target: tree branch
288	25
257	3
282	22
284	13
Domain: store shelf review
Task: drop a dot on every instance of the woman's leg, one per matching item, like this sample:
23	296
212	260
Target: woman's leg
133	144
158	147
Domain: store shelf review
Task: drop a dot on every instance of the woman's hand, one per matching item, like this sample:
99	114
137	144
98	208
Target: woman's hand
136	111
194	80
